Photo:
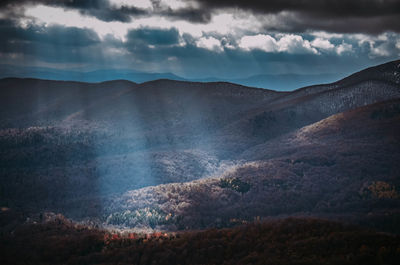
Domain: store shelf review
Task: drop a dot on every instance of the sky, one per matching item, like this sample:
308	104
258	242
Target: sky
200	38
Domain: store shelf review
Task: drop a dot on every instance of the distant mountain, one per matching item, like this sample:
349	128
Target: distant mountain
286	82
113	149
75	75
279	82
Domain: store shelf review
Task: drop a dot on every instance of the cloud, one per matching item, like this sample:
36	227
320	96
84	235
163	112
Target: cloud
326	35
122	10
54	34
343	48
46	15
201	38
142	4
323	44
290	16
260	41
295	44
380	46
380	51
326	8
188	14
337	16
222	24
209	43
387	47
326	45
289	43
154	36
101	9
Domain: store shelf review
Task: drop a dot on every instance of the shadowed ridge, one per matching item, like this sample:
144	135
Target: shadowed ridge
379	120
293	110
28	79
37	80
117	81
216	84
387	72
383	72
380	79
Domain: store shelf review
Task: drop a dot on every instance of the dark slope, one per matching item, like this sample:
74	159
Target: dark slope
376	124
25	102
305	106
343	167
33	102
388	73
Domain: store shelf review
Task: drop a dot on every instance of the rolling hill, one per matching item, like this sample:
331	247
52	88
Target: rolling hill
198	155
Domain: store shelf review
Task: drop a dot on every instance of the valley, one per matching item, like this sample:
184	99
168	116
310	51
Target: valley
183	157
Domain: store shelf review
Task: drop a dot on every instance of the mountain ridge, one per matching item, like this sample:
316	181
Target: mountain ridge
344	81
106	150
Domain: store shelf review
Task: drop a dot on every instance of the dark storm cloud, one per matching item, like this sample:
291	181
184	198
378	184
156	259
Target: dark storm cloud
149	45
53	44
331	8
101	9
190	14
154	36
344	16
366	16
28	41
299	23
69	3
55	34
56	44
123	14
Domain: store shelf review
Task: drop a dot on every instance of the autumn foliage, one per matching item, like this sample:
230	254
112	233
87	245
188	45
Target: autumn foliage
287	241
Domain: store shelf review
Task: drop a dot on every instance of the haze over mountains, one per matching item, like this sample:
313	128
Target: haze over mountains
173	155
279	82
